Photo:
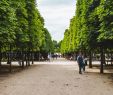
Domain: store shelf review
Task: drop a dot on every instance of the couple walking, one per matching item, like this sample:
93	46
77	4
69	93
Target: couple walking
81	63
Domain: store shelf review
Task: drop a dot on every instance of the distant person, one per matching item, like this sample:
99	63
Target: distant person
71	58
84	63
49	57
80	62
56	56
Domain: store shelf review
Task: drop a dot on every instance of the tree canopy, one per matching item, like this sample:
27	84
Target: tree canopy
22	26
90	28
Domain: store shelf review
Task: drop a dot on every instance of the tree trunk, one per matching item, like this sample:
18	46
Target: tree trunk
111	58
28	58
10	59
102	60
0	56
22	58
90	59
39	55
32	57
19	58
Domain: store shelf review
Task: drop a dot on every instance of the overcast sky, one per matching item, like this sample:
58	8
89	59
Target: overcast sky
57	15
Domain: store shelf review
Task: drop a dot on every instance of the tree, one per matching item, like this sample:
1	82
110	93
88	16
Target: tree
91	29
22	30
7	27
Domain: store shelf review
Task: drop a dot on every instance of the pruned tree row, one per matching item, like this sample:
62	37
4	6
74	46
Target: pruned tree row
91	29
22	33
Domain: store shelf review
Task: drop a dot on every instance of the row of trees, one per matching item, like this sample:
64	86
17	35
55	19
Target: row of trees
22	29
91	29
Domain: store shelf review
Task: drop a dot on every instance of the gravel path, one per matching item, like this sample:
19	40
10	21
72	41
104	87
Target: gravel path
56	78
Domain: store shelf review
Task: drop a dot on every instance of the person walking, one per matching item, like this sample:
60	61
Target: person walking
49	57
80	62
85	62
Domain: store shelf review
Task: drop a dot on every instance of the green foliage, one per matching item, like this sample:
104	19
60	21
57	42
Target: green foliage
47	45
65	42
105	12
56	46
7	23
91	26
22	26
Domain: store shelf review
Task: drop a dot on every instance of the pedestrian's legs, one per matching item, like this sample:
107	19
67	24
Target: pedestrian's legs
86	62
80	72
84	67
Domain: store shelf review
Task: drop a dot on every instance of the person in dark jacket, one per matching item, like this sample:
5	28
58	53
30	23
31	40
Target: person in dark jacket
80	62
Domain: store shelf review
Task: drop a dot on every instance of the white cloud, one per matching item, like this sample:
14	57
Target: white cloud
57	17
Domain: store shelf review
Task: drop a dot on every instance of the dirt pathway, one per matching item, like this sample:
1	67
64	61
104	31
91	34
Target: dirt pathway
56	78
